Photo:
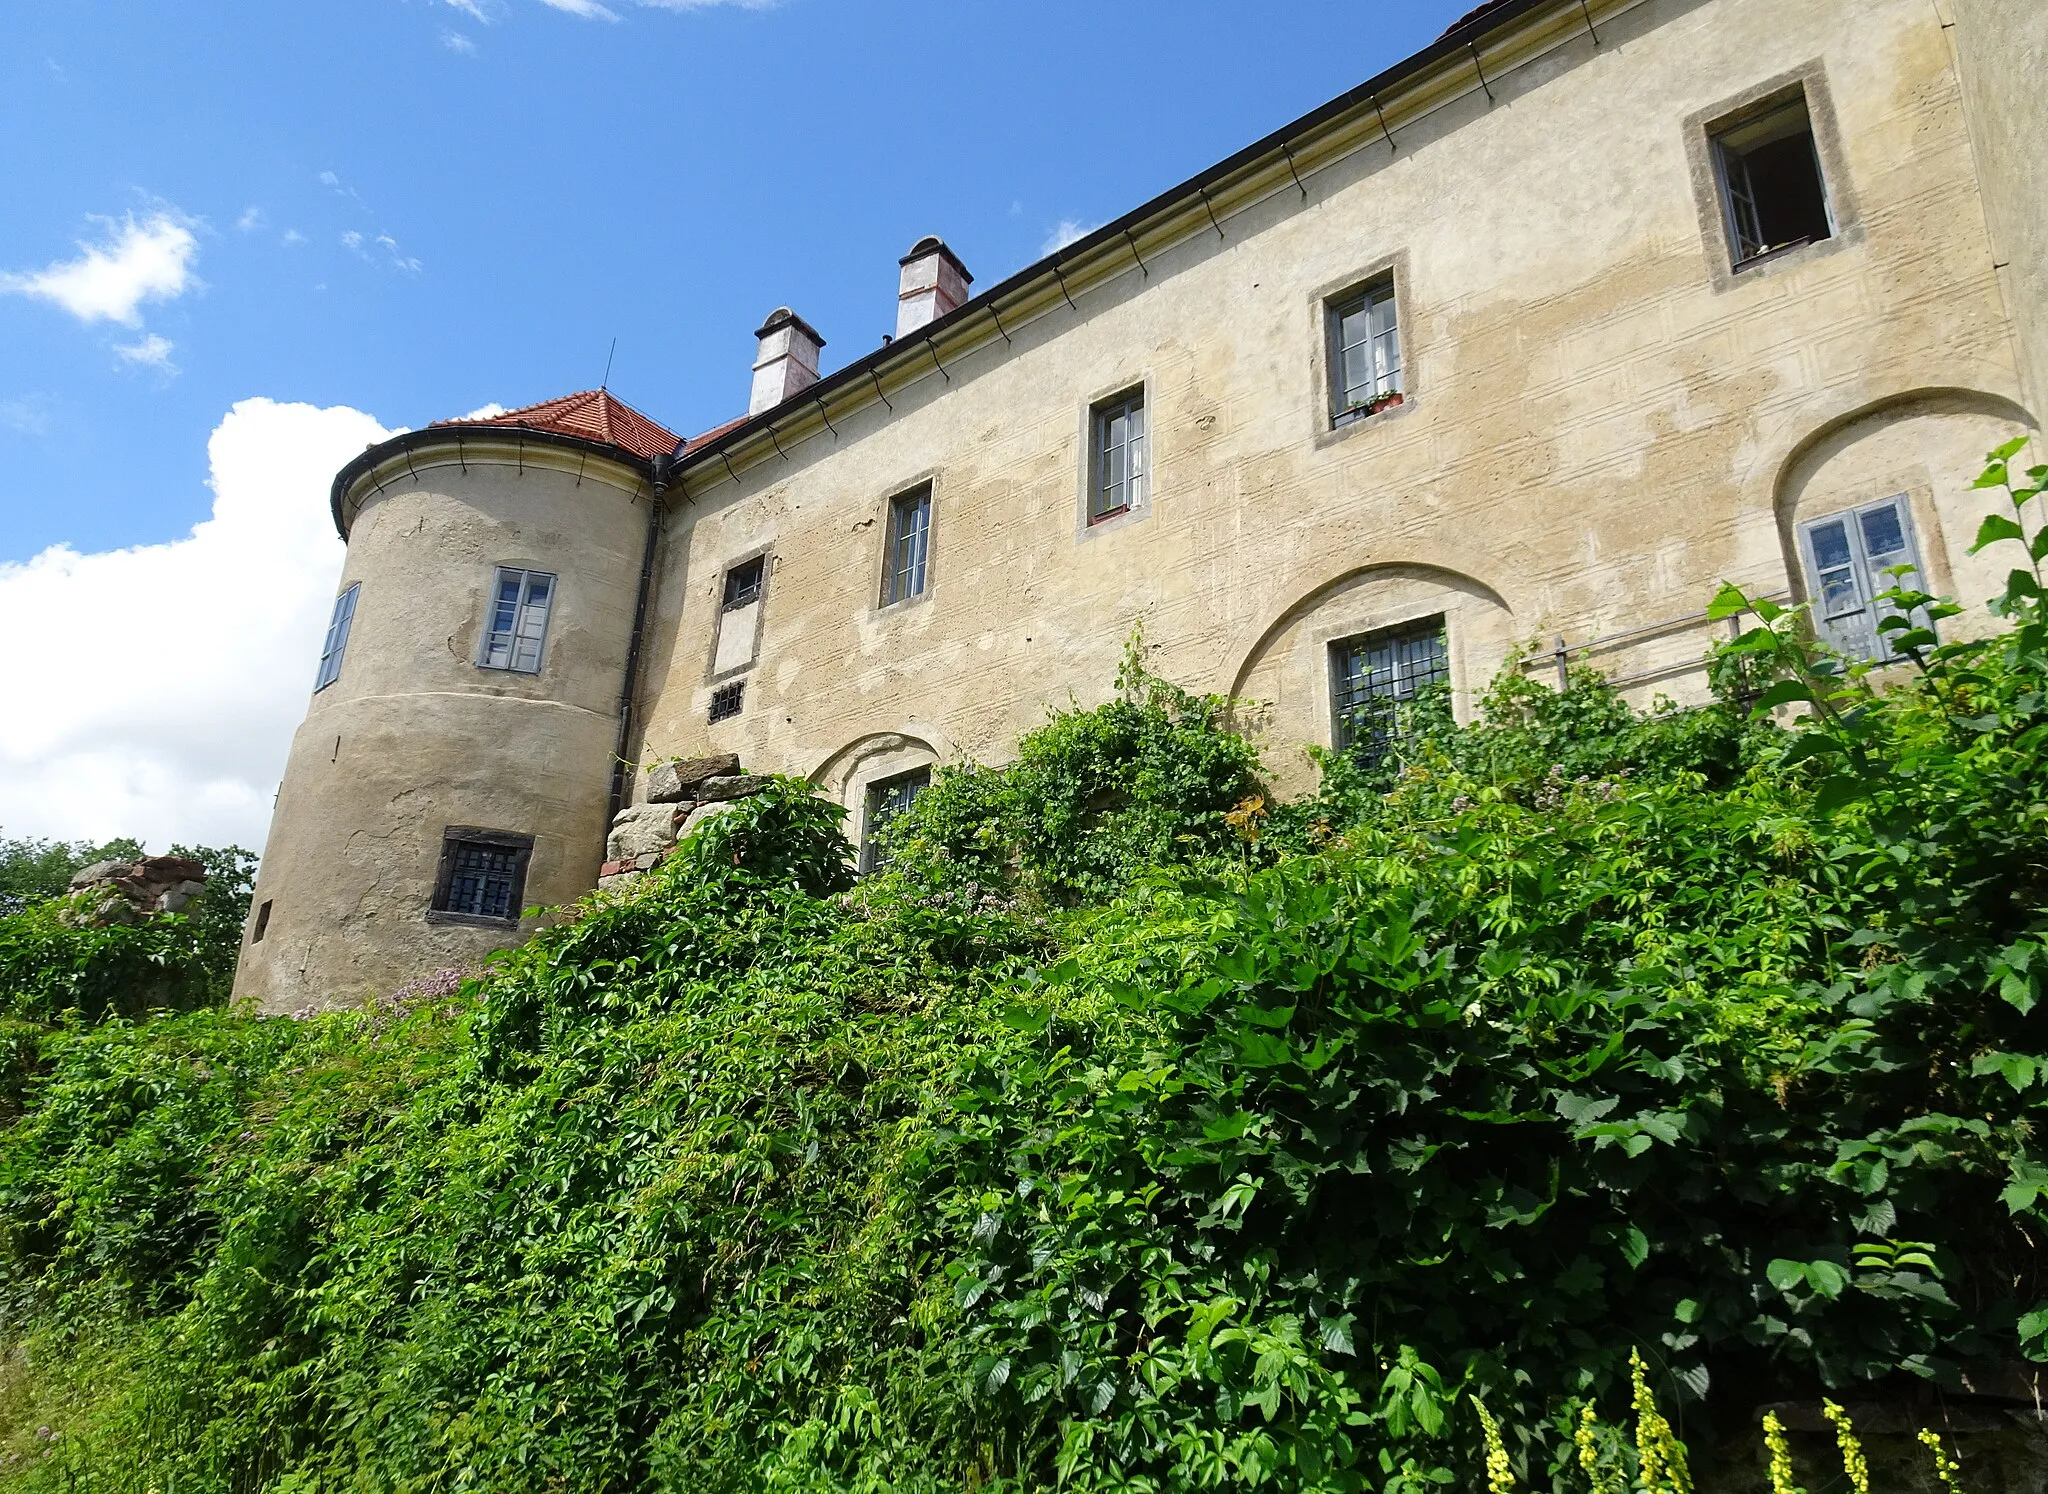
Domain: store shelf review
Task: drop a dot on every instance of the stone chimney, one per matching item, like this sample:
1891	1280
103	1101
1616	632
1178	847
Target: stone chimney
934	283
788	363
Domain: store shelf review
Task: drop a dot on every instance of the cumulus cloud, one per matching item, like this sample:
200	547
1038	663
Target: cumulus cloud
166	680
142	261
151	352
1070	231
490	411
252	218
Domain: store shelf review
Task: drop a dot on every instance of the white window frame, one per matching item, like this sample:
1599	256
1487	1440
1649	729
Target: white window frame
1847	612
338	625
1745	236
906	561
516	630
1383	341
1134	484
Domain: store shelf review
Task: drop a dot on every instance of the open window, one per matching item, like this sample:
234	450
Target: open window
337	638
1365	352
1847	555
886	799
482	876
1375	679
1118	470
1774	196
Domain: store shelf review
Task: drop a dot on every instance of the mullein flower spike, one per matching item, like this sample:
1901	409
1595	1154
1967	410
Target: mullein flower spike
1587	1438
1945	1467
1781	1456
1500	1479
1661	1467
1853	1461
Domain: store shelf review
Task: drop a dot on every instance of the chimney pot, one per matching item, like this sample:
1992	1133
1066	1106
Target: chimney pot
934	282
788	360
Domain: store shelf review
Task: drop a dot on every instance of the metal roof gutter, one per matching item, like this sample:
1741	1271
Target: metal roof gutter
1459	41
440	435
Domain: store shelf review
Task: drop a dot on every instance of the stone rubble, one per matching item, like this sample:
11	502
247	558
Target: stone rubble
681	795
127	892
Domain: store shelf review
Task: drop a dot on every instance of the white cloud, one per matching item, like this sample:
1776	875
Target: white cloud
484	412
152	352
146	261
252	218
455	41
473	9
589	10
292	238
707	4
165	681
26	415
1070	230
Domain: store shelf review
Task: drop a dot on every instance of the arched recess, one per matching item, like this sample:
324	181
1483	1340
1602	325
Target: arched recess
846	775
1925	446
1286	670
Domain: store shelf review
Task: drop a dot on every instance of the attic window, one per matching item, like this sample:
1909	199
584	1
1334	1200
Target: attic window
1772	192
743	583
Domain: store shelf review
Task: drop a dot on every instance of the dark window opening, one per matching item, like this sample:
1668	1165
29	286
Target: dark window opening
743	582
1365	353
1771	184
483	874
1375	679
888	798
727	700
909	544
262	923
1119	471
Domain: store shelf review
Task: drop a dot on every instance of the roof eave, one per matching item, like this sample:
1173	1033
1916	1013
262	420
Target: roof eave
375	456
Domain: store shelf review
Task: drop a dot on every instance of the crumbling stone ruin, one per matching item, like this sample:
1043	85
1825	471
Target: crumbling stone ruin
127	892
681	795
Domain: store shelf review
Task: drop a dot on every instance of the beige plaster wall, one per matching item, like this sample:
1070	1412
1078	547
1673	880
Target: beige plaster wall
2003	49
414	736
1599	426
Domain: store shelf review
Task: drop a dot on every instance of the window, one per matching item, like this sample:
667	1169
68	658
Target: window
888	798
1117	482
727	700
262	923
337	638
743	583
1365	353
910	533
1771	187
1847	555
482	875
519	620
1374	680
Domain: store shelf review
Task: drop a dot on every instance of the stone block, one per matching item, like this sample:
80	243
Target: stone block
735	786
674	782
702	813
640	829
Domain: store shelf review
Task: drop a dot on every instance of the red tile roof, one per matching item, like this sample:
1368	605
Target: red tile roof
593	415
1472	15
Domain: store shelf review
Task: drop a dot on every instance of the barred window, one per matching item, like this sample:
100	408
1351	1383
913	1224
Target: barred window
886	799
1117	483
482	875
1365	352
519	620
910	530
743	583
1374	681
337	638
728	700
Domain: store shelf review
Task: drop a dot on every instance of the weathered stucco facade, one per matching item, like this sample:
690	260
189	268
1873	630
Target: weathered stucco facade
1601	418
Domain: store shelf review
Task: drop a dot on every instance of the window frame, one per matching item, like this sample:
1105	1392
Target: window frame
1339	649
722	608
1728	158
733	691
922	494
516	634
871	860
454	837
1102	414
1381	289
340	622
1868	578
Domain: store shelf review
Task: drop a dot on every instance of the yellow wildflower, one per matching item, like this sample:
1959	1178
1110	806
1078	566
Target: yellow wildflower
1500	1479
1853	1461
1781	1455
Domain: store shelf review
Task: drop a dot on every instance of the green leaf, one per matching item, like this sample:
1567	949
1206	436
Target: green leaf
1729	601
1996	527
1785	1275
1785	692
2009	450
1827	1278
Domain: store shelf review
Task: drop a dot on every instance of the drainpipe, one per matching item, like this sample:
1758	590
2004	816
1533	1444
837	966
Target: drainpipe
664	466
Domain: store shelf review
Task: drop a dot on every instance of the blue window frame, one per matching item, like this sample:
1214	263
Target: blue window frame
337	638
910	533
519	620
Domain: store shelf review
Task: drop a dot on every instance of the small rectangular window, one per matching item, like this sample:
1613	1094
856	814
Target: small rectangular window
886	799
1847	555
483	874
519	620
262	923
1365	353
337	638
1772	191
910	528
1117	481
743	583
1374	680
728	700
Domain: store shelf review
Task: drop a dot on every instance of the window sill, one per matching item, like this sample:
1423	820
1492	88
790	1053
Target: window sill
1108	514
1771	255
1366	412
471	920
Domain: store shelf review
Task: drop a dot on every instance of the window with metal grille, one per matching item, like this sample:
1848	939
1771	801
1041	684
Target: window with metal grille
520	604
727	700
1772	190
910	532
743	583
482	875
1374	680
1117	481
1847	555
886	799
337	638
1365	353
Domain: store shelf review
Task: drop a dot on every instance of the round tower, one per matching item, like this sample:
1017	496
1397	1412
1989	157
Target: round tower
458	760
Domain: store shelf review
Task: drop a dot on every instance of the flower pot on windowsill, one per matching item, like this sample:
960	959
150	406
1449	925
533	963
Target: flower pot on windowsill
1365	409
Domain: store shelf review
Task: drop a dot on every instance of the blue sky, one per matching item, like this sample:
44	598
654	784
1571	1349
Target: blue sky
239	241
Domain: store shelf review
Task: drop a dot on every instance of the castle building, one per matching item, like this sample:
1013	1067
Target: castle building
1509	356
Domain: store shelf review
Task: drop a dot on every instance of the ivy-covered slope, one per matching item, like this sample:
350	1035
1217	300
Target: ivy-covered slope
1126	1133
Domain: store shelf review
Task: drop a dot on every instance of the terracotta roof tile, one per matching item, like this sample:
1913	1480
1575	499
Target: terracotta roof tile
593	415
